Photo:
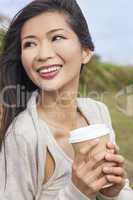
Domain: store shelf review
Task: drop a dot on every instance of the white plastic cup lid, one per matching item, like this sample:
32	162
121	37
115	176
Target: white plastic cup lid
88	132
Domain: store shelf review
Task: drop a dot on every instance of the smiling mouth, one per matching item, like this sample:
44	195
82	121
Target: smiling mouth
49	69
49	72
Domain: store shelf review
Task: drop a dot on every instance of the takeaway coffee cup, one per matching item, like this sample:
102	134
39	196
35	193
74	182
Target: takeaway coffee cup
79	137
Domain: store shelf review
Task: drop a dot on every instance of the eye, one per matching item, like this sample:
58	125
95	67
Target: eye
58	37
29	44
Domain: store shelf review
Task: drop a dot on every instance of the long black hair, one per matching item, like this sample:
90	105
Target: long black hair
12	74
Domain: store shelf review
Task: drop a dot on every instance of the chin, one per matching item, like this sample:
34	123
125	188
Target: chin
53	86
49	89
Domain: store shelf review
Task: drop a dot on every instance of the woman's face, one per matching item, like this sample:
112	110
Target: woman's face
51	52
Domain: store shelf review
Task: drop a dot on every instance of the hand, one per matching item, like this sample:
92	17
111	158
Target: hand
86	174
115	174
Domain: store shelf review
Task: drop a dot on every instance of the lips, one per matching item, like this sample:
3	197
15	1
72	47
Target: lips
49	75
49	72
48	67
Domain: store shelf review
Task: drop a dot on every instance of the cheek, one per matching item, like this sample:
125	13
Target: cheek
27	59
70	52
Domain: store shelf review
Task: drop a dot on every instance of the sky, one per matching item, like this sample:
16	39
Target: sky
110	24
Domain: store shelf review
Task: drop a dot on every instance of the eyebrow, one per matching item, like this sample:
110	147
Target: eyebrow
51	31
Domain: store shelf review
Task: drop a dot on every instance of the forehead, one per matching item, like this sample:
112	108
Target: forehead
45	22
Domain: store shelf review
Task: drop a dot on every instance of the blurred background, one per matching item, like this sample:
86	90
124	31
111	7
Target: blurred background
108	77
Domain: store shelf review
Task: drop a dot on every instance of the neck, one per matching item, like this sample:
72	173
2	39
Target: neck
60	107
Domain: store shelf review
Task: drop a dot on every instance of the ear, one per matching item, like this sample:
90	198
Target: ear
86	55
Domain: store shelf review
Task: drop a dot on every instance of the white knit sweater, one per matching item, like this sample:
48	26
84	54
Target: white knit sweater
26	143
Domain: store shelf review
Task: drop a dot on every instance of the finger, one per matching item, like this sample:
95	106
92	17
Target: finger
87	167
89	146
82	154
78	170
115	179
118	171
109	164
117	148
79	167
95	160
90	164
110	150
87	176
94	175
98	184
113	147
115	158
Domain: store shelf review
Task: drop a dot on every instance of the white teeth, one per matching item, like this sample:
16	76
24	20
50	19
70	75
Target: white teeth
50	69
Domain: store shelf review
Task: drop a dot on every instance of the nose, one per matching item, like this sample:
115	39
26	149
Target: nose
45	52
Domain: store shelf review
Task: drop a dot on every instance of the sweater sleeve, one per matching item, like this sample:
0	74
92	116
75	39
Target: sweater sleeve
15	180
126	192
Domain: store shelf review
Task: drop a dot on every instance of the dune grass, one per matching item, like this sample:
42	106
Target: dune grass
123	126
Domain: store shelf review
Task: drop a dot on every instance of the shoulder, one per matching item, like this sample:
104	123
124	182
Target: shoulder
97	109
22	127
94	104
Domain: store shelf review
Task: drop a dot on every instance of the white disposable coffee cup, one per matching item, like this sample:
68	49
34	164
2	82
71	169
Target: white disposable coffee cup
79	137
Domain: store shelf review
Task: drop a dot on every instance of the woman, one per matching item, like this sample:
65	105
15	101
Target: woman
46	47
